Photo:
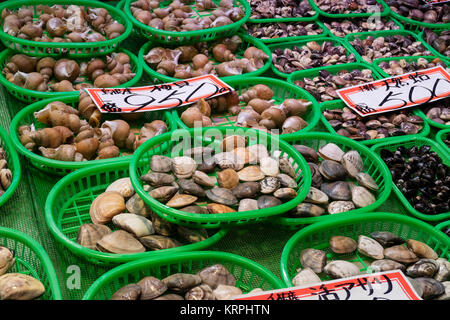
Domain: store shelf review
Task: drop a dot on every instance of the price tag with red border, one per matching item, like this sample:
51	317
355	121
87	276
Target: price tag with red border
436	1
397	92
158	97
389	285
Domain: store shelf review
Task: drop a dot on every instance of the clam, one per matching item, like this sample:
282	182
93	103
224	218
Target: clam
162	226
157	179
340	206
218	208
286	181
122	186
192	235
7	259
352	162
195	209
443	272
431	288
119	241
268	202
169	296
305	277
308	153
203	179
201	292
246	190
309	210
232	142
367	181
106	206
246	155
386	238
421	249
316	177
157	242
446	294
331	151
224	292
386	265
17	286
227	178
164	193
313	259
181	282
183	167
199	153
227	160
286	167
423	268
136	205
259	150
338	190
337	269
248	205
269	185
89	234
369	247
129	292
190	187
416	285
151	288
215	275
361	197
332	170
160	164
181	200
400	254
134	224
285	193
269	166
207	165
250	174
341	244
316	196
222	196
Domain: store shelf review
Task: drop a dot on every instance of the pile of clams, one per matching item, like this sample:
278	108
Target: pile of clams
439	41
239	178
16	286
339	183
138	229
341	28
5	173
383	251
211	283
439	111
402	66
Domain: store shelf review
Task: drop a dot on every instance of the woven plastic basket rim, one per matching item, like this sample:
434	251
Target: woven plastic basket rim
227	218
421	141
41	254
178	34
257	43
439	138
7	53
182	257
324	105
348	220
376	62
67	165
103	257
386	11
384	172
264	80
11	155
417	24
442	225
90	3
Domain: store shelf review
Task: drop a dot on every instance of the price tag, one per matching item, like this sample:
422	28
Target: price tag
397	92
158	97
389	285
436	1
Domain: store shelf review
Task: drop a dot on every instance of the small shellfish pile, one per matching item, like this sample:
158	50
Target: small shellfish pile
239	178
382	251
210	283
269	9
339	183
254	108
439	112
402	66
276	30
348	6
138	229
421	176
421	10
342	28
5	173
16	286
439	41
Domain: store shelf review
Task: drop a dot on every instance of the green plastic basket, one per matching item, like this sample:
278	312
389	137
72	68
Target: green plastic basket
383	13
312	73
179	38
373	165
339	104
440	136
438	32
248	274
30	96
247	42
441	226
67	208
282	90
81	49
13	164
317	236
377	62
409	142
398	24
32	260
173	144
335	40
57	167
291	19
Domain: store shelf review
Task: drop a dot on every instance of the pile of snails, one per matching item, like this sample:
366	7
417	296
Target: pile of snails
5	173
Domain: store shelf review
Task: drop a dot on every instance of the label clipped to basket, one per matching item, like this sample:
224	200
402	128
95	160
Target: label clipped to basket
388	285
399	92
158	97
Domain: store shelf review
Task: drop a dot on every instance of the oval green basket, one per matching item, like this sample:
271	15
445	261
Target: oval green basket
317	236
80	49
383	13
383	73
338	104
31	96
440	136
57	167
409	142
385	18
172	145
247	42
165	36
373	165
282	90
248	274
32	260
13	164
67	208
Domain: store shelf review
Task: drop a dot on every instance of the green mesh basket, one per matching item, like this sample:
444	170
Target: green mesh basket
383	13
282	90
317	236
32	260
79	49
57	167
440	136
377	62
13	164
438	32
247	42
335	40
173	144
67	208
398	24
248	274
339	104
373	166
409	142
182	37
30	96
